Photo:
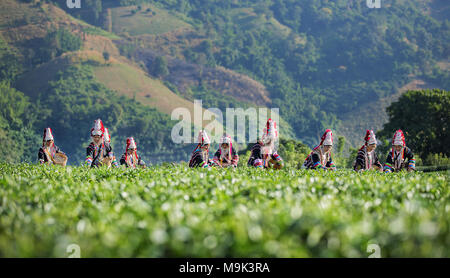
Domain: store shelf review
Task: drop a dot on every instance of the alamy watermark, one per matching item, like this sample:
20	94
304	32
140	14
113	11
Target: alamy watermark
256	118
374	250
373	4
72	4
74	251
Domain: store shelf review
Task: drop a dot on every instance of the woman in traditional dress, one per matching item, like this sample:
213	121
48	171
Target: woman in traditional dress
130	158
400	157
320	156
226	155
97	154
49	153
367	158
200	155
264	153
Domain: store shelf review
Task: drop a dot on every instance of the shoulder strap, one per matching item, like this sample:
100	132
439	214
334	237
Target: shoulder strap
98	154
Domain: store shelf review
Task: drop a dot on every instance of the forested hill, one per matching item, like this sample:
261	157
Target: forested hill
325	64
320	60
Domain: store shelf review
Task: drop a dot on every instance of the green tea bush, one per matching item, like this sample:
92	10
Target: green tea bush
175	211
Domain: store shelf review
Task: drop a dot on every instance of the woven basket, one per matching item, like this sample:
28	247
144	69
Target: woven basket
107	161
60	159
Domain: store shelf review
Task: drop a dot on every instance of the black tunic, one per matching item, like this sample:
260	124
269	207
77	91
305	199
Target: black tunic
199	158
256	156
313	161
93	158
123	161
365	161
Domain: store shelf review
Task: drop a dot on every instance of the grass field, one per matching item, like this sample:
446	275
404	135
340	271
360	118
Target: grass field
174	211
156	21
248	18
133	82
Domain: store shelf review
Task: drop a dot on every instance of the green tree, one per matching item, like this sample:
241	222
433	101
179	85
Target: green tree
159	67
424	118
10	66
16	120
58	42
293	152
340	145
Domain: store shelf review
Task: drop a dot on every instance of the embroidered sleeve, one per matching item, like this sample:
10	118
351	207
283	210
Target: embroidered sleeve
389	165
108	150
316	162
197	161
330	164
276	157
411	159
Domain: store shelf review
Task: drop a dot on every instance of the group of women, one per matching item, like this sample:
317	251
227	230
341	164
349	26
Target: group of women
263	154
98	153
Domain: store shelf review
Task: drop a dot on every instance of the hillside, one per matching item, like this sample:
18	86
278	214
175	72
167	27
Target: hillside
324	64
54	51
148	20
118	74
28	31
186	75
127	79
318	61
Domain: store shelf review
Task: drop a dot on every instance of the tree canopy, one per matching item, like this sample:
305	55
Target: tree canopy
424	118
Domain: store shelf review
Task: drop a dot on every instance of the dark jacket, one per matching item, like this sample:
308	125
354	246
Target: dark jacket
93	154
199	158
234	159
313	161
365	161
123	161
256	156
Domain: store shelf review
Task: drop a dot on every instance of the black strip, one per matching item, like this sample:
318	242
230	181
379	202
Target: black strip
223	267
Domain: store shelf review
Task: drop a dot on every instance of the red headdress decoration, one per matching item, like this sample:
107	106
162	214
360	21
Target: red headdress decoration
98	128
399	138
327	138
370	137
203	138
270	132
106	136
